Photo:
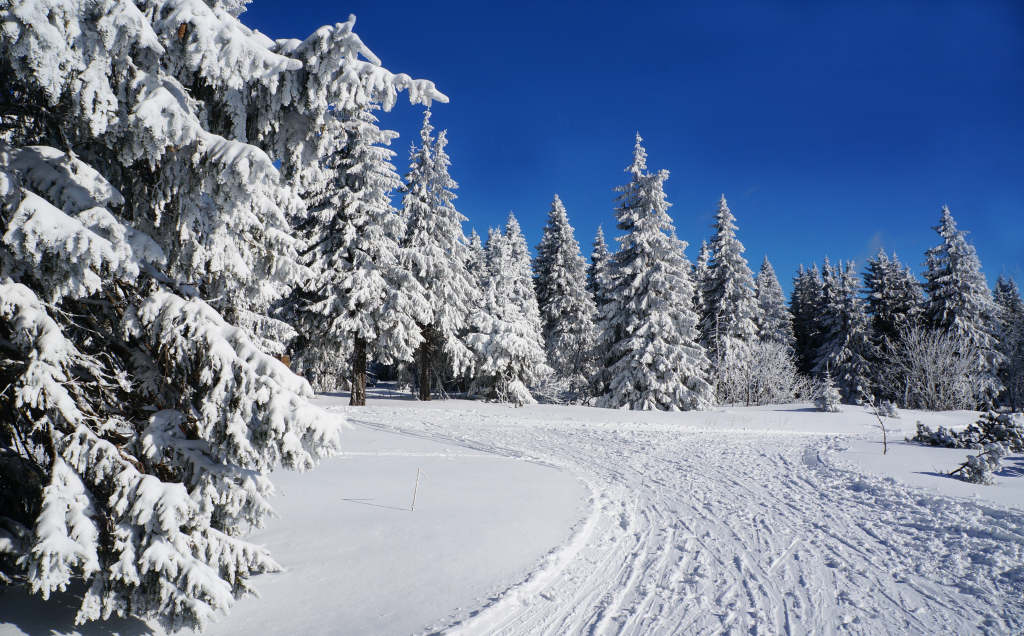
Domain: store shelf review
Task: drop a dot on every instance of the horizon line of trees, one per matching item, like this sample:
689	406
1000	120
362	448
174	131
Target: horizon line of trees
641	327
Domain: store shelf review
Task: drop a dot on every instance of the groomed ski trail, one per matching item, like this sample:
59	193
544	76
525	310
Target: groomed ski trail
710	532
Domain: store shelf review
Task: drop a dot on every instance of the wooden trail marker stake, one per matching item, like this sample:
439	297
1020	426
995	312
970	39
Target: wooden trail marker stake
412	508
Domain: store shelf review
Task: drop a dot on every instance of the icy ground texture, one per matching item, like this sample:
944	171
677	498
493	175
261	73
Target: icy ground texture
772	520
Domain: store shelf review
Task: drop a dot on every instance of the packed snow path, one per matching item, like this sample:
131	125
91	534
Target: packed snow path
710	531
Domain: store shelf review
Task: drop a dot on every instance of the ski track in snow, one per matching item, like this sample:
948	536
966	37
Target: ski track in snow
710	532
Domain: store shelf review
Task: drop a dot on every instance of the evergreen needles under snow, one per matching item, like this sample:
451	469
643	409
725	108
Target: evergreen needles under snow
506	333
139	397
437	254
648	340
567	310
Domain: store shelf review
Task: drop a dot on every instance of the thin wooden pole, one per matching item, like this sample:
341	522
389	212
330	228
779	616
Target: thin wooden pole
412	508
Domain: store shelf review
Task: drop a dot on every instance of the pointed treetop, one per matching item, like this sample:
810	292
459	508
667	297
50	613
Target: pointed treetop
639	159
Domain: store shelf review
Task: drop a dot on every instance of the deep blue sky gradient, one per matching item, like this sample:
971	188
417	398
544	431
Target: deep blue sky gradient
832	128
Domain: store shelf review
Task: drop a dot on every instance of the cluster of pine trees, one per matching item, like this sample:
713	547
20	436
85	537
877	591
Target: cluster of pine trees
640	327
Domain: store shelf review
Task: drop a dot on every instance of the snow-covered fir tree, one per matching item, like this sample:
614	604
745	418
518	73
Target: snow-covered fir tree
700	277
894	297
846	349
1011	317
506	332
567	310
147	421
805	306
598	266
477	262
361	301
437	255
649	340
826	396
774	322
730	305
959	300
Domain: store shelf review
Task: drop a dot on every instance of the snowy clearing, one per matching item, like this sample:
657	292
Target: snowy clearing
762	520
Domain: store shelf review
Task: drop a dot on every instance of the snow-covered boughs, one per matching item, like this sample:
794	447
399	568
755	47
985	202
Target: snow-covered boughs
437	254
894	297
845	341
960	303
1011	319
774	322
567	310
361	299
730	311
648	340
825	395
596	271
138	394
506	333
804	305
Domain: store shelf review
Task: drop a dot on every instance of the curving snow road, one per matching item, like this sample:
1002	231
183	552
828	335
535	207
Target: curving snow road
699	529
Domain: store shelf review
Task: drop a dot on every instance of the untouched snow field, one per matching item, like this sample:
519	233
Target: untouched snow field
569	520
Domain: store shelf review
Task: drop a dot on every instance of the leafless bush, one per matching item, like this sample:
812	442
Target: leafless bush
759	373
933	371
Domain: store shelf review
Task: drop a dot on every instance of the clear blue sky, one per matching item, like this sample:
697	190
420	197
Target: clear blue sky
832	128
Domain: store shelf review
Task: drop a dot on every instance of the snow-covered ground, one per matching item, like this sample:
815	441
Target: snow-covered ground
571	520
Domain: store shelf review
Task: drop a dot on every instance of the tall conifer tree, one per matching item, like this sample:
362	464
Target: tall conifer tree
649	338
597	269
846	349
774	322
959	301
362	301
729	297
567	309
506	333
894	297
437	255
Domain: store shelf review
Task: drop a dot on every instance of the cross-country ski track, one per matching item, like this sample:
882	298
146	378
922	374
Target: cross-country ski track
703	530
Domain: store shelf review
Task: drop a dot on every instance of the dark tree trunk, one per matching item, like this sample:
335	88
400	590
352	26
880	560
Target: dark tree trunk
424	364
358	395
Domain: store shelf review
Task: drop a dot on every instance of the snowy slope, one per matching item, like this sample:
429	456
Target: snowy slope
768	520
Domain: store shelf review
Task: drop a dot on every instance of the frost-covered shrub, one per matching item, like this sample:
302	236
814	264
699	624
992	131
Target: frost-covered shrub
1003	428
888	409
932	371
140	410
826	396
981	468
758	373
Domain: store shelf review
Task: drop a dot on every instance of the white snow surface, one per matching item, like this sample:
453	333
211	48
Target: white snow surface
574	520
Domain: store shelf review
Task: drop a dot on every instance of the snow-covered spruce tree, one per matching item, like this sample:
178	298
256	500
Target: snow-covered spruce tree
139	424
729	296
361	300
1011	317
567	310
729	320
596	271
847	348
648	339
506	333
477	261
700	276
774	322
805	305
437	255
959	301
894	297
826	396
